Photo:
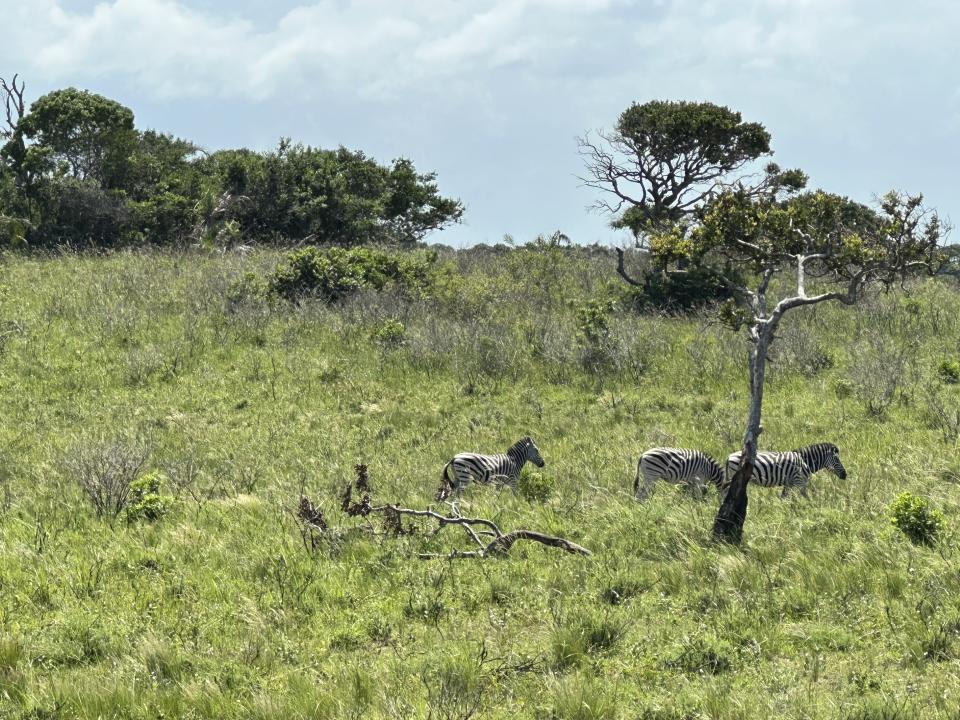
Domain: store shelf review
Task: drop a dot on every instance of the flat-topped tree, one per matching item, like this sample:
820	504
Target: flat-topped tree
671	168
664	160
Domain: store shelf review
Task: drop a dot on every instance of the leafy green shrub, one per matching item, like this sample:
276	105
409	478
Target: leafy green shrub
334	273
535	486
146	499
390	333
913	515
949	371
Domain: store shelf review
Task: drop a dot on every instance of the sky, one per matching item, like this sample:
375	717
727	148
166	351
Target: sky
863	95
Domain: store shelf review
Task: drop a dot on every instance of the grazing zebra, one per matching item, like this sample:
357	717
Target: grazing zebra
676	465
502	469
789	469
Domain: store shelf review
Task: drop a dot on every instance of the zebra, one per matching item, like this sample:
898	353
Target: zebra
676	465
503	469
789	469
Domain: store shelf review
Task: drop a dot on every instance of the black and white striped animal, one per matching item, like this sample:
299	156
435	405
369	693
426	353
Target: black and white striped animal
500	469
676	465
790	469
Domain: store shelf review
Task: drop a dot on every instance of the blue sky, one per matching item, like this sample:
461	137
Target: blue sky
491	94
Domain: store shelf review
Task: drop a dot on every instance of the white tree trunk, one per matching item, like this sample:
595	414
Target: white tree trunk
728	525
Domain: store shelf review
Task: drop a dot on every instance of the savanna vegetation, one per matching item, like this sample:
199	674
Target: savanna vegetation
76	172
201	429
224	401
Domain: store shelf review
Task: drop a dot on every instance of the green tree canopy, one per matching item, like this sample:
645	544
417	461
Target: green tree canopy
90	136
663	159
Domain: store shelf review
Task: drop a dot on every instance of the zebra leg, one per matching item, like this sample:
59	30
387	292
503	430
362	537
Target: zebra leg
461	478
697	488
647	489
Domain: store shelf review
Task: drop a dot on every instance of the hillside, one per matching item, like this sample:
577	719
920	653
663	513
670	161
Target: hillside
218	609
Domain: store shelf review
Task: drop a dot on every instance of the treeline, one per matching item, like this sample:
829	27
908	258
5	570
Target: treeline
75	171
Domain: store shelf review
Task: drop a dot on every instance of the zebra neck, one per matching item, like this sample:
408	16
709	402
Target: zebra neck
518	456
813	458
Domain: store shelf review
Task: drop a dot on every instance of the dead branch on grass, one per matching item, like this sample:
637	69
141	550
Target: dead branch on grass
479	530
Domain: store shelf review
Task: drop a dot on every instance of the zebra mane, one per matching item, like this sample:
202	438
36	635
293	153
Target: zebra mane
819	446
518	447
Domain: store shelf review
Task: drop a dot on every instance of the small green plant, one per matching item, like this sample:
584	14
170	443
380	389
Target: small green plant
702	657
535	486
913	516
390	333
588	635
147	501
842	388
581	697
949	371
106	473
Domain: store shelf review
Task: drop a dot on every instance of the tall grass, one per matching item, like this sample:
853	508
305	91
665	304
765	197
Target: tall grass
219	609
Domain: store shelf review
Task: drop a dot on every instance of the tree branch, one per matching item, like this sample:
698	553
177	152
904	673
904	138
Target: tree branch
622	272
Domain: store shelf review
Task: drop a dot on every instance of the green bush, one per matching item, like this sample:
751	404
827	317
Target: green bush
949	371
535	486
390	333
147	502
334	273
913	515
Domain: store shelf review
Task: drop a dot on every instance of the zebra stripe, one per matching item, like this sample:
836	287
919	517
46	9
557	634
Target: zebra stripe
789	469
502	469
676	465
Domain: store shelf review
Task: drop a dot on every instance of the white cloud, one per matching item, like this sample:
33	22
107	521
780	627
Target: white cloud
370	47
860	92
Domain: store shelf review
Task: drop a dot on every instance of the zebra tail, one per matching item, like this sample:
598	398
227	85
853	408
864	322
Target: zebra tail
636	480
446	487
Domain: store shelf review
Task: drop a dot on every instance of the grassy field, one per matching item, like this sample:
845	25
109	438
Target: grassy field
219	610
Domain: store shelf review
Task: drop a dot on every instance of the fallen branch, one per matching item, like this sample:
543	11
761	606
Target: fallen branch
501	543
391	514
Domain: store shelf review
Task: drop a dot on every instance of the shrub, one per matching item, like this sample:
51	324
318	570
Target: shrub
105	473
334	273
914	517
390	333
949	371
146	499
535	486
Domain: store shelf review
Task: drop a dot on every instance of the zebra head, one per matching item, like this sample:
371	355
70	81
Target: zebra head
525	450
833	463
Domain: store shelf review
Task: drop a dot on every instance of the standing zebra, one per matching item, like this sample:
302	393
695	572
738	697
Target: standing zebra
789	469
502	469
676	465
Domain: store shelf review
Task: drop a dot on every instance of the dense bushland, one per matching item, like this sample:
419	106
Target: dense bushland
76	172
205	600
